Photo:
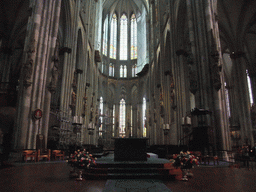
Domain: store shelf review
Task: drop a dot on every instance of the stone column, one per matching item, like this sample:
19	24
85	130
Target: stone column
205	48
241	93
31	42
49	78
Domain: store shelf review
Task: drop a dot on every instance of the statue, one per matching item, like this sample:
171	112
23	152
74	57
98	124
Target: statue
215	57
73	98
55	73
28	66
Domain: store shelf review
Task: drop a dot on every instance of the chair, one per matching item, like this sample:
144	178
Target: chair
29	153
43	154
58	153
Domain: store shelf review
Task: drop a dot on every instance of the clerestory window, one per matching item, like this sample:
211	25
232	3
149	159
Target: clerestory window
123	37
123	71
113	37
105	37
111	70
133	37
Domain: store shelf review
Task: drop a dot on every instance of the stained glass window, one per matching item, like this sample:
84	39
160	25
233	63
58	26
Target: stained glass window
113	128
125	71
111	70
133	37
105	37
249	87
122	118
123	37
227	99
144	117
113	37
101	118
121	71
131	120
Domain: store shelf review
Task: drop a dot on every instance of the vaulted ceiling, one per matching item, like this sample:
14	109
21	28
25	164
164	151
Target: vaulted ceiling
237	24
127	6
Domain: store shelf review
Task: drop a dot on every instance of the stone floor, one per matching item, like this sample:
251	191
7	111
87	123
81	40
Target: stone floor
54	176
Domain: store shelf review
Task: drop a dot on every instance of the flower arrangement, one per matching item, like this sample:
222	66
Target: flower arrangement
185	160
81	159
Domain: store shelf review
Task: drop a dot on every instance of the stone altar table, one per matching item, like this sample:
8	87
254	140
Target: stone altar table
130	149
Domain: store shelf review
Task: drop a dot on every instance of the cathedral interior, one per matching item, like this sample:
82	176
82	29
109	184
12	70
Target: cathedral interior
82	72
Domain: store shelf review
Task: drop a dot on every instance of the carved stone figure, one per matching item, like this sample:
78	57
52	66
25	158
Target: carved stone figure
73	98
215	64
27	70
28	66
55	72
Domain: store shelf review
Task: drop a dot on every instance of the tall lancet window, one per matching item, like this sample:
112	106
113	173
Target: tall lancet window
121	71
227	99
105	37
125	71
144	117
122	118
111	70
114	114
101	118
113	37
249	87
131	121
123	38
133	37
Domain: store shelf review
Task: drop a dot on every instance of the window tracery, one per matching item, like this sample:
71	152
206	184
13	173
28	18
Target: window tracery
111	70
133	37
105	37
113	37
122	117
123	37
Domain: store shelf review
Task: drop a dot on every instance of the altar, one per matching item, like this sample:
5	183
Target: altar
130	149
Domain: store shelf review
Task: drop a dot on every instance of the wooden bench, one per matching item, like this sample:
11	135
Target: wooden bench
29	153
58	153
45	154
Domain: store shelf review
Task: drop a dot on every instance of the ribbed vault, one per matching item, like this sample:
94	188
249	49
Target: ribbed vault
127	6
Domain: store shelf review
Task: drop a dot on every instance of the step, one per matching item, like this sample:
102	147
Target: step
130	165
128	176
127	170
